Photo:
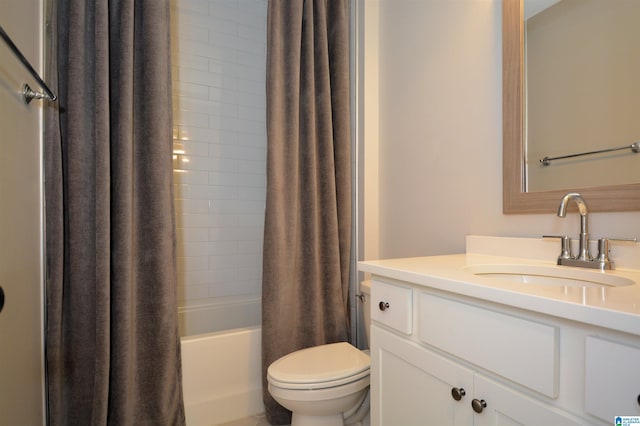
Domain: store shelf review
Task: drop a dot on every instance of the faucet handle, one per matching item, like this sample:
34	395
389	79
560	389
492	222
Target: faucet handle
565	242
603	247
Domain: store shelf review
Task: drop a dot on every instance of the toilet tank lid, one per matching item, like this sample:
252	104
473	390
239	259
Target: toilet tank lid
320	364
365	286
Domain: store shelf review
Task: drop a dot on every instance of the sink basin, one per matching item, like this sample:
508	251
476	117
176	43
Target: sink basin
548	275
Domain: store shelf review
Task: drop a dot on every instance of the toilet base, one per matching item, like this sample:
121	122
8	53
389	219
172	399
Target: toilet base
359	416
349	401
298	419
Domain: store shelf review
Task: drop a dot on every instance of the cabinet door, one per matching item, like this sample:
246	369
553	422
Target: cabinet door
413	386
507	407
612	379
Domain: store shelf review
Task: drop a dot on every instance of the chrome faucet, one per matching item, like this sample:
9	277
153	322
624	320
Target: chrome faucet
583	247
584	258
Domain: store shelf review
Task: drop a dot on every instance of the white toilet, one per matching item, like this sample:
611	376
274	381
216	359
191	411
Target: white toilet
325	385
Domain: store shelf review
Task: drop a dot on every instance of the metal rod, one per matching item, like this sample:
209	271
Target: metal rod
28	94
634	147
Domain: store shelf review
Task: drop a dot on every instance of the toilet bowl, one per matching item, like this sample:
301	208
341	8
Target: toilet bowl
324	385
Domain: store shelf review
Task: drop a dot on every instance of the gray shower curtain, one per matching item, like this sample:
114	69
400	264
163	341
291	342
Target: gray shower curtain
112	344
307	237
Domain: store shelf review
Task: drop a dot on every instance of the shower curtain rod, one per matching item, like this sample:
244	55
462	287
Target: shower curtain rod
27	93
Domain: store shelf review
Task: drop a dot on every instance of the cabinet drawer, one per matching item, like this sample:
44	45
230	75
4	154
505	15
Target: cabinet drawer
520	350
612	379
391	305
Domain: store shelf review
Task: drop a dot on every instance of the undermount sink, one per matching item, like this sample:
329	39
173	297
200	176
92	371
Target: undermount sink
548	275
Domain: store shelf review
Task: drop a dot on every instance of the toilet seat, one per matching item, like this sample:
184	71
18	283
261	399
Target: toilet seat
320	367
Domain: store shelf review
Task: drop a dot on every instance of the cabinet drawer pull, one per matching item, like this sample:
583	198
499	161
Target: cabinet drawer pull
457	393
478	405
383	306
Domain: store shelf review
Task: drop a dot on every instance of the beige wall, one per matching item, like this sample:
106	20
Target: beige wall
21	371
440	132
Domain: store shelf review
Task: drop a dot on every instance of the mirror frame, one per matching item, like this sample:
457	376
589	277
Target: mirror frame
514	198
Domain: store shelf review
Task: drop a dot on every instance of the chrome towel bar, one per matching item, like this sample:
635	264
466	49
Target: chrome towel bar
27	93
634	147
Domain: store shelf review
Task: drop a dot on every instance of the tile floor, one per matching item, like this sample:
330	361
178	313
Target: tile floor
257	420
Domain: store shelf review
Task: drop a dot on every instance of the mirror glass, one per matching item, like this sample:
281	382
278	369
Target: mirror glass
582	92
589	107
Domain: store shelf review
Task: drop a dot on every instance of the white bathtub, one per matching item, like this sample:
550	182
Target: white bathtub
222	376
228	314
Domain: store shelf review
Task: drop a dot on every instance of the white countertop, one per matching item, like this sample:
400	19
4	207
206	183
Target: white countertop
617	308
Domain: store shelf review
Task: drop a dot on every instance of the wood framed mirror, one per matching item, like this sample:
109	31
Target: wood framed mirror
516	200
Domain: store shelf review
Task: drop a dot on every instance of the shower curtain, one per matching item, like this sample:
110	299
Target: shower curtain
112	344
307	237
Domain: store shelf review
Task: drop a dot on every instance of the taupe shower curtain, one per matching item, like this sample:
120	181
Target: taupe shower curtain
112	345
307	235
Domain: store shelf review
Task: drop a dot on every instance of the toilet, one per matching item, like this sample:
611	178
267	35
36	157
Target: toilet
326	385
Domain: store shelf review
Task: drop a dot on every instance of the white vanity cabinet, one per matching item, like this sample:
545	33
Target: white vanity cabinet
438	358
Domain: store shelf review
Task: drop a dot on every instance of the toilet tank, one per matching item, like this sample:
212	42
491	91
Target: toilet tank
365	301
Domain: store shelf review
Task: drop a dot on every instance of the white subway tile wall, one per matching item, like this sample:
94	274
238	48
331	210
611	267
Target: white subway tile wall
219	56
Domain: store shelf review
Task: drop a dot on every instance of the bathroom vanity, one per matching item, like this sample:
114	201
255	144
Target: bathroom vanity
485	338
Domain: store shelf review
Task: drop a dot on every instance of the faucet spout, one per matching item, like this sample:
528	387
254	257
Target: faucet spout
583	253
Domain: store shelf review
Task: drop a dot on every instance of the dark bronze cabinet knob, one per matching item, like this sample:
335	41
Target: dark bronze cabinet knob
457	393
478	405
383	306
